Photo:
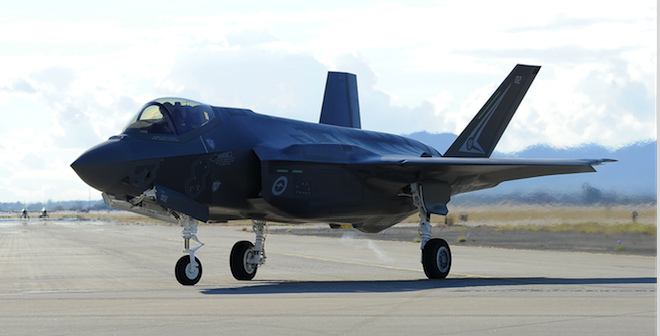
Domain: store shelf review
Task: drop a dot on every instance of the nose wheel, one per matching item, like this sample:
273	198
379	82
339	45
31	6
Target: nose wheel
186	272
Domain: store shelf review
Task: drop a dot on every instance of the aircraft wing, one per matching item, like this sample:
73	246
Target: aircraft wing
468	174
462	173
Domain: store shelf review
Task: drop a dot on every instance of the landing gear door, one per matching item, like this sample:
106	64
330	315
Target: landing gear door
175	200
436	194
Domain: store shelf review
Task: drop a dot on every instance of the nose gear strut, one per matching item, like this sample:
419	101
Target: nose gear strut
188	269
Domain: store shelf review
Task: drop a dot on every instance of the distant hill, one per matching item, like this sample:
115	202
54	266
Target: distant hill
633	178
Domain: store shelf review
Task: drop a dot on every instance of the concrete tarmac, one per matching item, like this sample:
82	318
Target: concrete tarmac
119	280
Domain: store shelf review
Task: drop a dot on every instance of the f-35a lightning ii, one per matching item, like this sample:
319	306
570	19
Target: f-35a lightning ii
183	161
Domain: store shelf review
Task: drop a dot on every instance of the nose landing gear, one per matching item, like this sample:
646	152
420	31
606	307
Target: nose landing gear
188	269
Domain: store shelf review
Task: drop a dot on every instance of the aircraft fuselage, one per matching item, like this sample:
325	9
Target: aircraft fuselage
220	168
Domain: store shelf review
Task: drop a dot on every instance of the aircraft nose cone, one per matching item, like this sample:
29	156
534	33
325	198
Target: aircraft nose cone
104	165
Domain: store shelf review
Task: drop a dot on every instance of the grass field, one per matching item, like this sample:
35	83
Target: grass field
590	227
591	219
118	216
542	215
605	219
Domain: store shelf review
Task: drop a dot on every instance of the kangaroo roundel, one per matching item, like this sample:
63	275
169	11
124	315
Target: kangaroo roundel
279	186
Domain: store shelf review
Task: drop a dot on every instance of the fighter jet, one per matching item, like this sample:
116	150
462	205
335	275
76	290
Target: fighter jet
184	161
25	214
44	214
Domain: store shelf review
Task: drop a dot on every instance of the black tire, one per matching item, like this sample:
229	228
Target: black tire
436	259
183	273
240	253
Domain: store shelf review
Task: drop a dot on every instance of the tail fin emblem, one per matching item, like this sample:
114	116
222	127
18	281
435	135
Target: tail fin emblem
481	135
472	144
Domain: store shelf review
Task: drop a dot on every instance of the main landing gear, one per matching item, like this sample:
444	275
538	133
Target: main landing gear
246	257
436	256
188	269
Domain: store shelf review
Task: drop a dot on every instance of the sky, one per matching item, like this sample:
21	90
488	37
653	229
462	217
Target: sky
74	72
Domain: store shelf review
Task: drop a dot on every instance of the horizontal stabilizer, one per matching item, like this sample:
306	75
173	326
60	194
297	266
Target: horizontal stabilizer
479	138
340	101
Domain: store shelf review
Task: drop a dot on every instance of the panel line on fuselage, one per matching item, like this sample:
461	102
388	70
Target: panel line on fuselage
203	144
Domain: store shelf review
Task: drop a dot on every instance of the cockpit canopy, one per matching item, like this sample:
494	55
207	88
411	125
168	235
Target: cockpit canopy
171	116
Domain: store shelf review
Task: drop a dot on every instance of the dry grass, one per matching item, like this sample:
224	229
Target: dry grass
499	215
590	219
649	229
505	217
115	216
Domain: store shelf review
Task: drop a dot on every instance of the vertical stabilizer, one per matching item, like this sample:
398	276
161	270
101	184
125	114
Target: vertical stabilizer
340	101
479	138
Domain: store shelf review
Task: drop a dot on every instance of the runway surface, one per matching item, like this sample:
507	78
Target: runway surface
119	280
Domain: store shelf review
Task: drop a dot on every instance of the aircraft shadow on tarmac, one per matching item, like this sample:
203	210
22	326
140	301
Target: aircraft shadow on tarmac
393	286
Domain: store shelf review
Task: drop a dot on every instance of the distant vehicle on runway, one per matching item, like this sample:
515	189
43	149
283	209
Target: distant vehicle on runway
183	161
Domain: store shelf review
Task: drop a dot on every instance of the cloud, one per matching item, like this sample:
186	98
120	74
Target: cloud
286	83
377	110
587	103
267	80
79	77
559	55
55	80
249	38
615	88
282	82
73	129
39	175
81	112
32	161
19	85
563	21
